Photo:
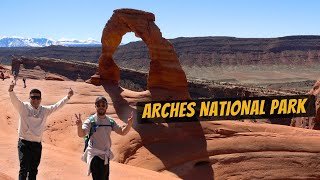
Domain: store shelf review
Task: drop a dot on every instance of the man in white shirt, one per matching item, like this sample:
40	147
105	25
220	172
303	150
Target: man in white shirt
32	122
98	127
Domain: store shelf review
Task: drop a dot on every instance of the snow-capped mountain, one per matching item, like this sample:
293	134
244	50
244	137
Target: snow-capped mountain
42	42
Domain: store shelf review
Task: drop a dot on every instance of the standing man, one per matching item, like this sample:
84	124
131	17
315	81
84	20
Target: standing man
98	128
24	82
32	122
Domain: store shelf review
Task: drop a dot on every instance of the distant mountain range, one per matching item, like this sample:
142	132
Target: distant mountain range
194	52
43	42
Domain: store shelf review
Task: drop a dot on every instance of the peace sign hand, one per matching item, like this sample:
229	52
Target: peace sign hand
130	119
78	121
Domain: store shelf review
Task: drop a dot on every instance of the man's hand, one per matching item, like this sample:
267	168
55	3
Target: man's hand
130	119
11	86
125	129
81	132
70	93
78	120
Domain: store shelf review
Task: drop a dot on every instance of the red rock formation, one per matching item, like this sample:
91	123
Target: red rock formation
67	69
166	78
5	71
53	77
310	122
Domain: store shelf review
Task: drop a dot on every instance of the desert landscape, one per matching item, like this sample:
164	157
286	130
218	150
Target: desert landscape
281	63
206	150
193	150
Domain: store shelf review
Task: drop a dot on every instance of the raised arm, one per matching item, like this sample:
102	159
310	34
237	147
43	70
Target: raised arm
125	129
14	99
61	103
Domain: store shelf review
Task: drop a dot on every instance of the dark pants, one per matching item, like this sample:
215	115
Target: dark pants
99	170
29	157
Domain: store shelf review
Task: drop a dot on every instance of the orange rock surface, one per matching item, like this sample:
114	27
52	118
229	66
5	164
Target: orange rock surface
53	77
310	122
206	150
62	148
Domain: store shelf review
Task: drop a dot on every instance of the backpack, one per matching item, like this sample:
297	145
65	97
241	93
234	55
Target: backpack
93	129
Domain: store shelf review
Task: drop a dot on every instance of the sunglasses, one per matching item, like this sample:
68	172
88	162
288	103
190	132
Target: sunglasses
101	105
35	97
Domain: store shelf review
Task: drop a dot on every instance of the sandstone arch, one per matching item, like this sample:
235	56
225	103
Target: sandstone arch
165	74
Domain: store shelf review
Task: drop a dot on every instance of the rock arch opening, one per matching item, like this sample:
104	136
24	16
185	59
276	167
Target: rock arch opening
133	58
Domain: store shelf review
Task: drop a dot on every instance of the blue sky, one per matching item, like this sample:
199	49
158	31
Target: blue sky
83	19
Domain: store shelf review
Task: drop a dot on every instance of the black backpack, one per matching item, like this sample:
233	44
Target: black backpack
93	129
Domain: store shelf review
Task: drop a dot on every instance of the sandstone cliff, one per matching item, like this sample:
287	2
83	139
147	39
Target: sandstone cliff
137	80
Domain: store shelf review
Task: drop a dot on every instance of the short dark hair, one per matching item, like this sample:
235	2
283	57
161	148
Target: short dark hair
37	91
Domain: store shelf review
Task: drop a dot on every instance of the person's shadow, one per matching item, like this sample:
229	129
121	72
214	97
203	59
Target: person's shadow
181	147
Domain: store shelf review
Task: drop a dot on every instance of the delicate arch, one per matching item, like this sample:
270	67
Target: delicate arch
165	69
